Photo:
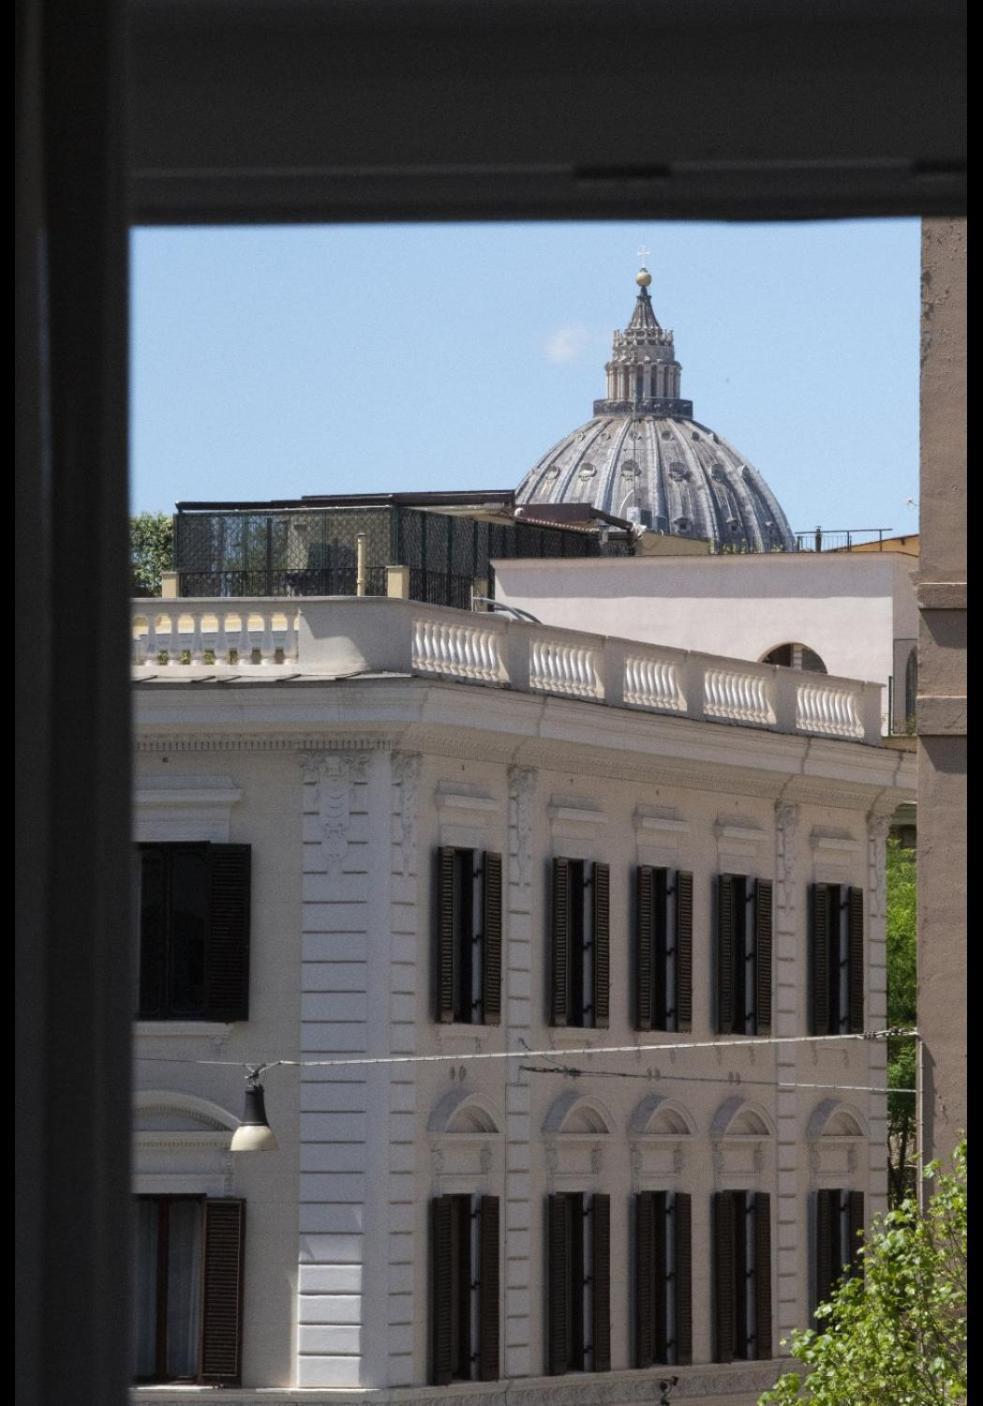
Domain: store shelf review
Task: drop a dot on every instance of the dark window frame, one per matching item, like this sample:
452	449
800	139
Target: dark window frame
225	915
467	936
581	1284
743	1307
837	959
579	937
663	949
464	1292
663	1286
218	1348
744	919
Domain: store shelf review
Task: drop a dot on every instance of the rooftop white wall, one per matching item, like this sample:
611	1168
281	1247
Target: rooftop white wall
849	608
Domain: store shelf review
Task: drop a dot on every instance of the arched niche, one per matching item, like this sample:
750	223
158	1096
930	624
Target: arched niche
658	1131
465	1143
575	1130
181	1144
795	655
835	1133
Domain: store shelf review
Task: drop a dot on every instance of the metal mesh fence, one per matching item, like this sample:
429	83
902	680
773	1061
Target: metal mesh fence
312	552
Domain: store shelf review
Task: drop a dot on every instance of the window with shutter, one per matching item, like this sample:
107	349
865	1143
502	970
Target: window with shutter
663	1278
468	937
744	955
464	1289
839	1221
579	943
194	906
836	941
742	1275
663	949
578	1277
188	1277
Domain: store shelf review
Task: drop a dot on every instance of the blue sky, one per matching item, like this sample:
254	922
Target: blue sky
274	362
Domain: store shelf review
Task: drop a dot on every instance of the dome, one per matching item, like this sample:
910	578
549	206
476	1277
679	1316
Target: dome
644	457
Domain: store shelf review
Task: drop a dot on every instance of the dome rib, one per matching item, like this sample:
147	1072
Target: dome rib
689	481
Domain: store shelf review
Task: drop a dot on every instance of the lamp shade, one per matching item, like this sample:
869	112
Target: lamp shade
254	1133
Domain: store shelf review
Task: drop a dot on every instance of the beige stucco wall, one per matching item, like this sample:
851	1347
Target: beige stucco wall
942	687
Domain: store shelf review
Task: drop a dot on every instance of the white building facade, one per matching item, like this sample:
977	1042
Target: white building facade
582	898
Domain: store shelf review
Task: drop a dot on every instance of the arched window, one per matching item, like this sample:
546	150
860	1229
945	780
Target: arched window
796	656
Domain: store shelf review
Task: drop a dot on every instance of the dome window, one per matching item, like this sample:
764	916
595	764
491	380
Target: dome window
696	435
629	469
667	434
679	472
588	471
717	471
681	524
796	656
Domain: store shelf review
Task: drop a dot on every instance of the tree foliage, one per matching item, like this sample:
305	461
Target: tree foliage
895	1336
902	986
151	551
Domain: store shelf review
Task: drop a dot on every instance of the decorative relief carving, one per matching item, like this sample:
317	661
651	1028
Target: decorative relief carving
636	1165
552	1158
815	1161
334	774
406	778
596	1158
758	1157
522	788
878	827
485	1159
678	1159
851	1158
717	1160
787	824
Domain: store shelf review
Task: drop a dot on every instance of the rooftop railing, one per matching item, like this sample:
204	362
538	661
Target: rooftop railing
343	637
841	539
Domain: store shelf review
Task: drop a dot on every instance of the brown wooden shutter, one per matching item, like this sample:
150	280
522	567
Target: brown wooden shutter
819	960
153	930
558	1271
222	1275
826	1252
227	957
763	900
725	957
762	1271
644	950
645	1270
488	1296
684	950
441	1288
601	939
601	1281
683	1276
445	936
855	967
660	1287
560	943
725	1309
491	906
855	1218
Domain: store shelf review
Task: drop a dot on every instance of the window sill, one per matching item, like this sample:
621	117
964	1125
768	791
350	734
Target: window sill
183	1029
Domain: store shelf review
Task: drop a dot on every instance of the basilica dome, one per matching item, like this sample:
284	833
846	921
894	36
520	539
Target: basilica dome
644	457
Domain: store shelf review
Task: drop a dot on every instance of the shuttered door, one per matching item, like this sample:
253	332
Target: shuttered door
601	1281
441	1290
762	1271
855	1220
644	949
726	920
558	1271
227	954
488	1298
827	1242
491	904
684	950
221	1315
445	936
763	901
601	938
560	943
725	1308
683	1276
855	965
819	959
645	1271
